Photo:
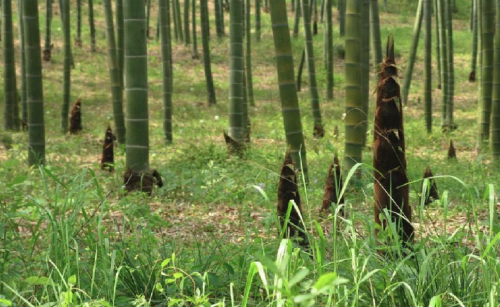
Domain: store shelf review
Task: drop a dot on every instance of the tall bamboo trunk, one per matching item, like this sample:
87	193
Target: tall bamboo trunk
342	16
495	112
365	62
47	50
449	124
391	183
137	176
78	39
475	26
257	20
187	36
443	50
24	113
301	69
148	17
248	56
219	21
206	52
288	92
193	29
166	50
329	43
236	70
375	32
92	26
65	16
438	42
488	31
178	19
313	87
34	86
114	74
11	114
175	22
296	22
428	64
413	52
354	128
120	40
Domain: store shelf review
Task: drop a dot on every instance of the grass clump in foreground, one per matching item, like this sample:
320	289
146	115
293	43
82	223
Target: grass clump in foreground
70	244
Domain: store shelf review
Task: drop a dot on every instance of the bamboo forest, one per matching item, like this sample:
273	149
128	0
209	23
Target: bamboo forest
250	153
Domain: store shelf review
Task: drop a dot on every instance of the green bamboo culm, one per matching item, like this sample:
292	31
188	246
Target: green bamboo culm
47	50
487	37
257	20
120	40
219	18
322	11
313	87
236	67
1	21
365	62
78	40
471	16
296	22
342	16
329	46
136	86
248	56
443	51
166	50
92	26
438	42
405	90
157	34
206	52
193	29
428	64
34	85
495	108
148	17
65	16
354	127
245	125
11	113
448	122
475	26
315	14
288	92
301	69
114	74
24	113
375	32
178	19
187	35
174	20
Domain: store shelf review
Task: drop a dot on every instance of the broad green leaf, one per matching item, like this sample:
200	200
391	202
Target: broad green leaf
165	263
17	180
301	274
72	280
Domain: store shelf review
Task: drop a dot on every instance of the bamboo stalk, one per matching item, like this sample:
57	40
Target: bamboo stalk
34	85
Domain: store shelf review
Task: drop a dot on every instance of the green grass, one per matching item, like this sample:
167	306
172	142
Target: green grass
69	236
